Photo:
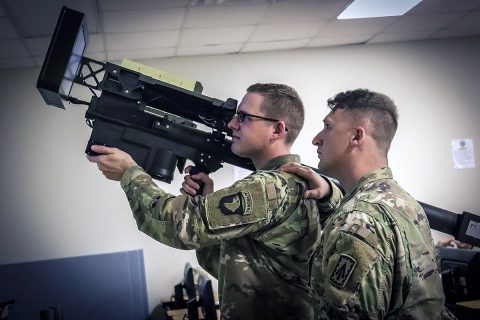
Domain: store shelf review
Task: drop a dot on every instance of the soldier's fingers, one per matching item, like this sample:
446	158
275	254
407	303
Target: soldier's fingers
290	165
103	149
303	172
190	183
190	188
312	194
198	175
293	167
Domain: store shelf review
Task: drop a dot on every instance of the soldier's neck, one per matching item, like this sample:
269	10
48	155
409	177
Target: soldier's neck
260	161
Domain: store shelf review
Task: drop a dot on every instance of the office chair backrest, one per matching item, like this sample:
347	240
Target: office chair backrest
206	298
189	282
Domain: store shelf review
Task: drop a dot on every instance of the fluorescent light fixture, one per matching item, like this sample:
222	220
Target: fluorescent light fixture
377	8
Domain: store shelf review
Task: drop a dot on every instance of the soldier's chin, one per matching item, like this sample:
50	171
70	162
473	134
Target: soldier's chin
324	169
237	150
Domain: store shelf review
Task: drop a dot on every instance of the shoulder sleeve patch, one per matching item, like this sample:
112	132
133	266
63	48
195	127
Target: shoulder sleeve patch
237	203
346	268
241	204
343	270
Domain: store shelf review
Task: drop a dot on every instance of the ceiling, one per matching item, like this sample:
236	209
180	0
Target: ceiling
146	29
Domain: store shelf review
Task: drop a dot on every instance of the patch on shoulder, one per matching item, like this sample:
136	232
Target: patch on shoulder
343	270
238	203
243	203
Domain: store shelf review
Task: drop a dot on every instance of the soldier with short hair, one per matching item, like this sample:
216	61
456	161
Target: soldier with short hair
376	257
257	236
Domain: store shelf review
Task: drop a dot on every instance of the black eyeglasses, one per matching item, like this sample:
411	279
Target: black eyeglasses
242	115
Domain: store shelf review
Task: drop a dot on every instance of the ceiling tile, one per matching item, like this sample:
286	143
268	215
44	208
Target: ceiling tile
274	45
456	33
137	21
304	10
95	43
38	46
274	32
13	63
471	19
7	31
401	36
38	61
437	6
355	26
214	36
13	49
127	5
227	2
422	22
203	50
145	29
141	40
338	40
224	15
140	54
38	18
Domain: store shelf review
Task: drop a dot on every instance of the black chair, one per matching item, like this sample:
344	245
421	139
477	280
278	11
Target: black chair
189	281
192	309
186	288
206	300
193	295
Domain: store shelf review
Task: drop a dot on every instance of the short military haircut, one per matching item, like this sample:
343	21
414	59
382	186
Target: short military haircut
376	108
283	103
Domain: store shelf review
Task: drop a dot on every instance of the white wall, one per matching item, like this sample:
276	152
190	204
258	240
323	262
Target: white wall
54	203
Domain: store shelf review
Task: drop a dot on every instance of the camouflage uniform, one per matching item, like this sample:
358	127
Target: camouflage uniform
256	237
376	257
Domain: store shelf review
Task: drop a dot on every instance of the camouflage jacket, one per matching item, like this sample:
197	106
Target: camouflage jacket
256	237
376	257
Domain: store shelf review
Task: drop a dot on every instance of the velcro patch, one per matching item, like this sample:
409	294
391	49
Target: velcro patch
238	203
343	270
243	203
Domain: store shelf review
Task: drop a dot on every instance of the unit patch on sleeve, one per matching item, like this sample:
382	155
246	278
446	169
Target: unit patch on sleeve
238	203
343	270
243	203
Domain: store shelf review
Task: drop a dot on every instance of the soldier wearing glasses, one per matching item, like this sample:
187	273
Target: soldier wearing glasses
256	236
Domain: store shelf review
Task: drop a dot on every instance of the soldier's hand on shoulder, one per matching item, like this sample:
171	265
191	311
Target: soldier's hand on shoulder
193	183
319	187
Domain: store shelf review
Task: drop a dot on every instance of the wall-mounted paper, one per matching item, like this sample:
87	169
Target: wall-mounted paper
463	154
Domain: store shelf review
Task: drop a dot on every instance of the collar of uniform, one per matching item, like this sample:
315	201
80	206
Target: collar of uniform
378	174
278	161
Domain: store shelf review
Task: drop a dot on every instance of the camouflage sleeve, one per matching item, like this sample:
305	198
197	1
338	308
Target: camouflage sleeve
327	206
194	222
209	259
358	268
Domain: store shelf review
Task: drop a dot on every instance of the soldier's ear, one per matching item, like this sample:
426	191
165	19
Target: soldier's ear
280	129
359	136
